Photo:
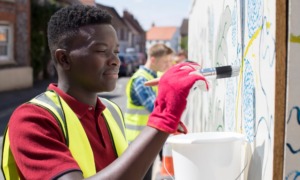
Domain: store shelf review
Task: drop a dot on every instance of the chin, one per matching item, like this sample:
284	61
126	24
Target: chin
108	88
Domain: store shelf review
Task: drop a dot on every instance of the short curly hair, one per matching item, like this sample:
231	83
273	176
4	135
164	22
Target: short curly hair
65	23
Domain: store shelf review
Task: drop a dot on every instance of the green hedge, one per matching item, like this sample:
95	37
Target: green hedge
40	55
184	43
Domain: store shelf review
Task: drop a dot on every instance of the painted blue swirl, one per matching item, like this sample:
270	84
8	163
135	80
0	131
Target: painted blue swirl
297	109
229	105
293	175
248	94
254	12
290	146
234	25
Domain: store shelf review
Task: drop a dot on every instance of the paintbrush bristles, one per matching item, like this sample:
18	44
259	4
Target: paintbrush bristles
235	71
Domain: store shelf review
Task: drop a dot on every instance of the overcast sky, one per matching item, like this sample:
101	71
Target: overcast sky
161	12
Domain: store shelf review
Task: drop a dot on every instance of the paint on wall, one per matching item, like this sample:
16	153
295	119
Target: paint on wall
292	143
294	38
232	32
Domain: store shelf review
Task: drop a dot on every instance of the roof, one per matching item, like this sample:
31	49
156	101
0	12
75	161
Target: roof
127	16
131	27
88	2
161	33
184	28
117	20
85	2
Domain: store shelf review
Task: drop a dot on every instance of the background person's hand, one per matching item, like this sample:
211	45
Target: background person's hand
173	89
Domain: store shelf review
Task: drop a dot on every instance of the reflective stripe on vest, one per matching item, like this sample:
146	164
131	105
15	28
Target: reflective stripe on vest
8	164
115	120
74	133
136	117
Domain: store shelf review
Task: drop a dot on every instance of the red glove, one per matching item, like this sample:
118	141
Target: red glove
173	89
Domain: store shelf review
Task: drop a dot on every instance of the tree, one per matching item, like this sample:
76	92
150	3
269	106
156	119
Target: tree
184	43
41	12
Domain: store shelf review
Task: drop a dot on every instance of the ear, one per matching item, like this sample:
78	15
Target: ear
61	57
152	59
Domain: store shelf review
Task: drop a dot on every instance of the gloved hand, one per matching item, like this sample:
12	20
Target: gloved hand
173	89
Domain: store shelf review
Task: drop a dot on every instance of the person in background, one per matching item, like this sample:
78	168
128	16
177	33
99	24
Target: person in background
181	57
140	98
68	132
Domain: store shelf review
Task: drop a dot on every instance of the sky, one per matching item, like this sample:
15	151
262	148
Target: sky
161	12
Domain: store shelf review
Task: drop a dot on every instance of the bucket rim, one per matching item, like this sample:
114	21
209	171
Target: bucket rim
206	137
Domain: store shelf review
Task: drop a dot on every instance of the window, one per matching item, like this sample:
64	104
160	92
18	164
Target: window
8	0
6	46
122	32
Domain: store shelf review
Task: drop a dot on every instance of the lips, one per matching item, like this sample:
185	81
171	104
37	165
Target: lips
111	72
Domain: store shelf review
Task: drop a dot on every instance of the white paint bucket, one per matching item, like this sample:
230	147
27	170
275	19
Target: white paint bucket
207	155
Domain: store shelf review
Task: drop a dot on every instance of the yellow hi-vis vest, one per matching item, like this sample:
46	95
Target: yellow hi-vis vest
74	133
136	117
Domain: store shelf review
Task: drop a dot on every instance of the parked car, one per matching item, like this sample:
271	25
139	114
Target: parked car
127	65
138	59
135	61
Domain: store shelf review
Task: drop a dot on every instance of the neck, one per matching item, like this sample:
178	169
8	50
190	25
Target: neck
78	93
149	66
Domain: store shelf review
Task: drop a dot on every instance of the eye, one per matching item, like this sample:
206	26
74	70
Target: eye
117	52
101	50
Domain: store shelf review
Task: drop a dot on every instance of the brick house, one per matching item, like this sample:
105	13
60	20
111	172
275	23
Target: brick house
184	28
15	69
168	35
137	35
88	2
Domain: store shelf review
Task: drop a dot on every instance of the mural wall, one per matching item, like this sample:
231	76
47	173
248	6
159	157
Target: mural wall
292	146
239	33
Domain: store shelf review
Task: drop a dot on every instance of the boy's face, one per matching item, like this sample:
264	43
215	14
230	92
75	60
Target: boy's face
164	63
94	57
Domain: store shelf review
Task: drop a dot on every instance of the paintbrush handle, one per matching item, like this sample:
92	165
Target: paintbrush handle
220	72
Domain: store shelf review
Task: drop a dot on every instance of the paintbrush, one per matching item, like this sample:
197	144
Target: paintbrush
220	72
209	73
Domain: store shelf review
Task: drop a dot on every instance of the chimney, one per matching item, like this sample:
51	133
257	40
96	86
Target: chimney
88	2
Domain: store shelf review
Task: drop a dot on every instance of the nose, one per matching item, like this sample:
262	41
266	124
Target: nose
114	60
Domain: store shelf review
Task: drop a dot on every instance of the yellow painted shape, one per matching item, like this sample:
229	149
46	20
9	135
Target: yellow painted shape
294	38
255	35
268	24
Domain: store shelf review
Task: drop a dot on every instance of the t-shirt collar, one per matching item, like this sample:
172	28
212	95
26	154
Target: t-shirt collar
79	108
